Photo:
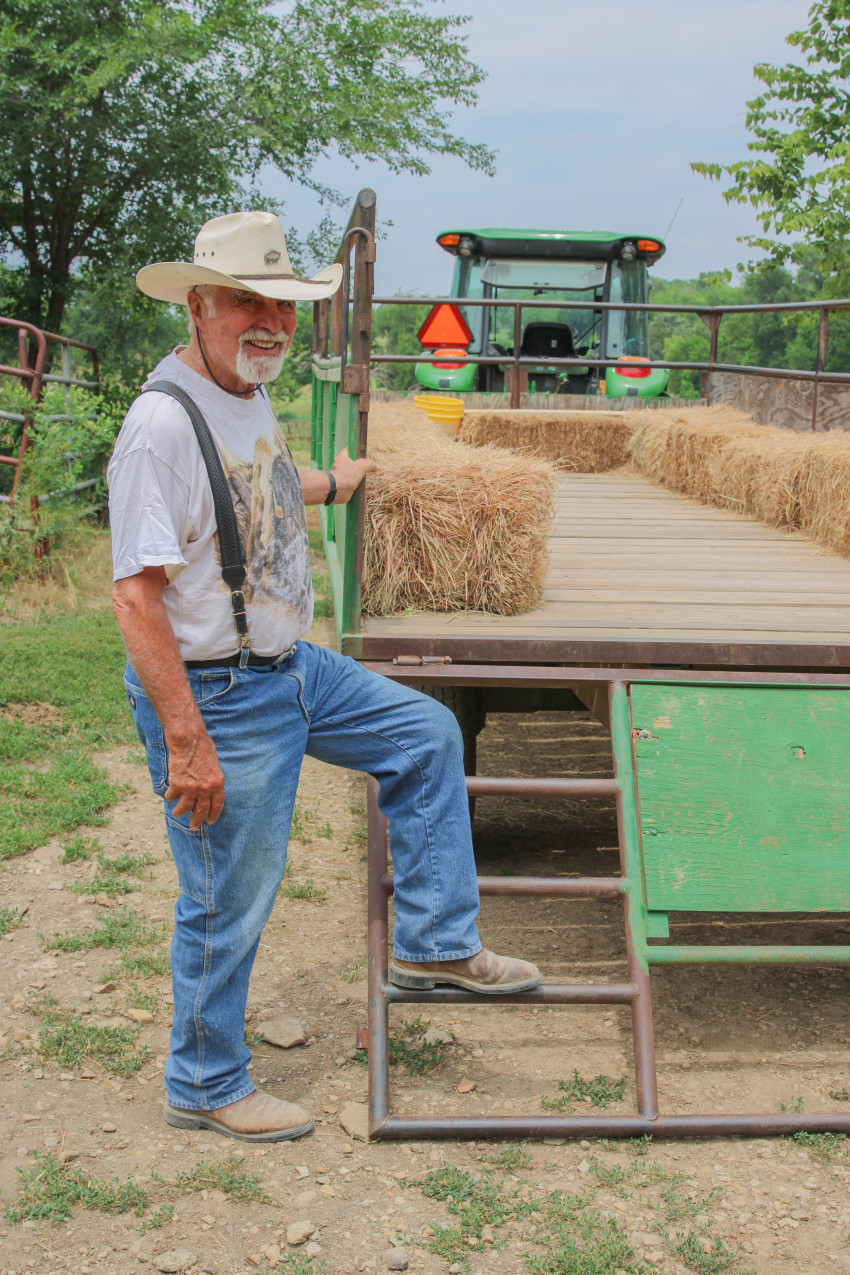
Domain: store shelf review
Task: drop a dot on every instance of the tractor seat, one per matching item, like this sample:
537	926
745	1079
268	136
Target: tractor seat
548	341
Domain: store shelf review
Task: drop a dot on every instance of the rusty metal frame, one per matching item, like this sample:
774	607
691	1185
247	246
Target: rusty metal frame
636	993
37	377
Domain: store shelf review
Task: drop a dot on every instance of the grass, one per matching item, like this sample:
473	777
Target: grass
599	1092
68	1039
353	972
704	1257
301	1264
221	1175
513	1156
474	1205
51	1190
408	1049
303	890
823	1147
10	919
46	768
840	1095
111	876
793	1104
79	849
580	1241
140	964
121	929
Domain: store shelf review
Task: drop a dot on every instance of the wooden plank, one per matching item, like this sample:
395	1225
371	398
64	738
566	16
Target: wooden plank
744	797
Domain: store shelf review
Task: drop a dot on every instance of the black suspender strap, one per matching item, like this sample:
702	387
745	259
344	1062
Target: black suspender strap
230	548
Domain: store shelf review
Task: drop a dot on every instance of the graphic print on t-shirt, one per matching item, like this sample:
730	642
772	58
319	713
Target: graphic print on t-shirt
267	498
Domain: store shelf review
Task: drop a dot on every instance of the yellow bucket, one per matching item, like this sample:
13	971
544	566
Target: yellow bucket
441	408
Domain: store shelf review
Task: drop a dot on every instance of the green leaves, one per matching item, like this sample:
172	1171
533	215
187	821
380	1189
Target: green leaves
798	179
126	123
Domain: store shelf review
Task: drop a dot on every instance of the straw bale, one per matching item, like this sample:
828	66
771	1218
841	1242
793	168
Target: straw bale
721	457
451	527
581	442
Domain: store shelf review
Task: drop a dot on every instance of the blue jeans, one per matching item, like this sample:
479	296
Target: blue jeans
262	722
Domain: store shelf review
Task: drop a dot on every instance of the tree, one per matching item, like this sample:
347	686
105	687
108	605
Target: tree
798	180
126	123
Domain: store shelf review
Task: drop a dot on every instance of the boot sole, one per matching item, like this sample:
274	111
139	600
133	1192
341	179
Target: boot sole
426	982
186	1120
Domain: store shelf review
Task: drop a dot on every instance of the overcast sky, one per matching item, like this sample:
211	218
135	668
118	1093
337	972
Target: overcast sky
596	109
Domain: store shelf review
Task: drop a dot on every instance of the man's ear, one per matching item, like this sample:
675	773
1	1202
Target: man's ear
197	309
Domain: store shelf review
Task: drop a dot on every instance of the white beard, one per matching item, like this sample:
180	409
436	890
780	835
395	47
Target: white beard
261	368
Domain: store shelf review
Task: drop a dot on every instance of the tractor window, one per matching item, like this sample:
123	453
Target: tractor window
563	281
628	330
467	283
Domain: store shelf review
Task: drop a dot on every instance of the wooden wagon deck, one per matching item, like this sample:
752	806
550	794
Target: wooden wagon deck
643	575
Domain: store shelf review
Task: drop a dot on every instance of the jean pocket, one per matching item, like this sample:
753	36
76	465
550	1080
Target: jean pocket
211	684
149	731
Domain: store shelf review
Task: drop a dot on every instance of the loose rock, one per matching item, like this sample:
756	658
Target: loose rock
299	1232
434	1036
354	1118
467	1086
284	1032
105	987
396	1259
140	1016
313	1249
177	1259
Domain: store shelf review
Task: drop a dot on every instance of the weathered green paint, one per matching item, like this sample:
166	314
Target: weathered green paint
744	796
334	425
681	955
657	925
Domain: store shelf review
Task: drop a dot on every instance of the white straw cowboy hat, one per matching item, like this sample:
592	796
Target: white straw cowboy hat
242	250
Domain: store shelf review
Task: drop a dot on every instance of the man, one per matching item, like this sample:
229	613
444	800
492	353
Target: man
225	731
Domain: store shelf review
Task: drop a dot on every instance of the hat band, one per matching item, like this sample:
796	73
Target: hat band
268	276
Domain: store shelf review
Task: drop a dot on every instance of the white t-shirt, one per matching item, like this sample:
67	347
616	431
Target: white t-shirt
162	515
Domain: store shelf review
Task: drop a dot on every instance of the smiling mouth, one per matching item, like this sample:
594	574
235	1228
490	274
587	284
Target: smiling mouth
264	345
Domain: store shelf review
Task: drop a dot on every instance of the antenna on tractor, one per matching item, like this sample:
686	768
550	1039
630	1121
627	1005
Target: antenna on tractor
675	215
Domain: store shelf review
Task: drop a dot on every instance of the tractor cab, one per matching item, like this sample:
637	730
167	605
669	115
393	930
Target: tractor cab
545	265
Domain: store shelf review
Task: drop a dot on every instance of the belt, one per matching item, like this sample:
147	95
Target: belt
232	661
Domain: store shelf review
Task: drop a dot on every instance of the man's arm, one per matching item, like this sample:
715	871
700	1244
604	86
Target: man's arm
348	473
195	779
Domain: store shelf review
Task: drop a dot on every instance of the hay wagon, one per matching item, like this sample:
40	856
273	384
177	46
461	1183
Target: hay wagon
715	648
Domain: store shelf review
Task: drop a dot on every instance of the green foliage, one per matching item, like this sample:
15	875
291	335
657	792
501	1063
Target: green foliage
840	1095
823	1147
704	1257
408	1049
600	1092
513	1156
79	849
796	176
159	1217
394	329
580	1241
304	890
794	1104
474	1203
51	1189
9	920
111	876
126	124
68	1038
122	929
227	1175
135	963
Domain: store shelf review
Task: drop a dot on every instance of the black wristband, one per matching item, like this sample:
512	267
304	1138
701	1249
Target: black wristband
329	499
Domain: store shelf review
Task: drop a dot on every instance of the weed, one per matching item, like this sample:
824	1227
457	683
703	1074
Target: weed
580	1241
823	1147
111	877
301	1264
353	972
10	919
326	831
513	1156
600	1092
69	1039
358	808
342	875
137	758
79	849
793	1104
50	1190
253	1038
704	1260
408	1049
137	999
224	1175
359	837
641	1146
122	929
138	964
679	1207
615	1175
840	1095
475	1204
304	890
158	1218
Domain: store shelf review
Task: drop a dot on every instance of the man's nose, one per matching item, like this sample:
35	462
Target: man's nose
271	317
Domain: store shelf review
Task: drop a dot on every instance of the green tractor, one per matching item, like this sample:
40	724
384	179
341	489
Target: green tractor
552	265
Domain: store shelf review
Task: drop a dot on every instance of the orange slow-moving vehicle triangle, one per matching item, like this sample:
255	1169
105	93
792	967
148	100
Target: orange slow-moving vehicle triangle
445	325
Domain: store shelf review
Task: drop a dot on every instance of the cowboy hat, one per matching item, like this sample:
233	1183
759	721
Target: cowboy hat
242	250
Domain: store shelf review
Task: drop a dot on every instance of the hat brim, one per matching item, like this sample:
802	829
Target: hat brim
172	280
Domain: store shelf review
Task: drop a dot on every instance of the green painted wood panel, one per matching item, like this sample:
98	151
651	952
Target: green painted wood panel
744	796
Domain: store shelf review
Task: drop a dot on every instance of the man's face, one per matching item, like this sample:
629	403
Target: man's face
247	333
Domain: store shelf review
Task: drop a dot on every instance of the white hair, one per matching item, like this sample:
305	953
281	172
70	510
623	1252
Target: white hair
206	291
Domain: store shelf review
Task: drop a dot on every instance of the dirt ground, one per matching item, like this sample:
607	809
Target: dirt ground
727	1039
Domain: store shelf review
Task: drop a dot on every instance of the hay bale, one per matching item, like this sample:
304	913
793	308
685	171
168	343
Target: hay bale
721	457
581	442
453	528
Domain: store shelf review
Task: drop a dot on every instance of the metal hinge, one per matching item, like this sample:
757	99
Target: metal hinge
422	659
